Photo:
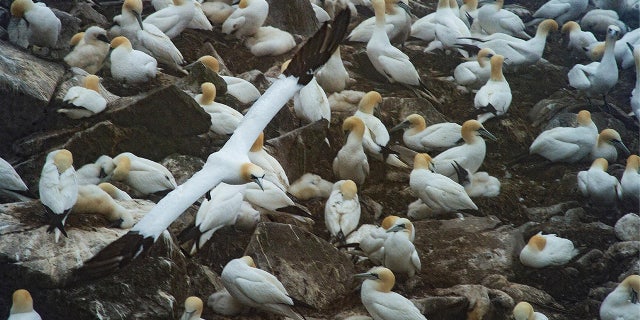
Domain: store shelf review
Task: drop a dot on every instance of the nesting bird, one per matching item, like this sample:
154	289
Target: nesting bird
380	301
87	99
192	306
578	39
397	23
596	184
22	306
310	103
342	210
269	41
474	74
257	288
630	181
141	174
559	10
622	302
524	311
635	93
598	78
247	18
310	186
607	146
438	192
567	144
43	27
449	29
399	254
224	119
93	173
240	89
93	199
494	19
90	52
273	170
493	98
469	155
130	65
333	77
58	189
172	20
545	250
417	136
351	161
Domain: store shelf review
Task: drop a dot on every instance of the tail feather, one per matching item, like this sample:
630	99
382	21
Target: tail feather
56	220
470	48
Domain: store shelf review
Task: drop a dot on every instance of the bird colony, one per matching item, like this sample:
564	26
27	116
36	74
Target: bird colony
401	135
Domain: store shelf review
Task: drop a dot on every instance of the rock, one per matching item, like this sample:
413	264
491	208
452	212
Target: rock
443	307
623	258
182	167
540	214
521	292
295	16
200	74
482	302
311	269
27	84
627	227
88	15
486	249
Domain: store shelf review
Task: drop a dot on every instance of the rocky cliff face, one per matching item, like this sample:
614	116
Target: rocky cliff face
470	265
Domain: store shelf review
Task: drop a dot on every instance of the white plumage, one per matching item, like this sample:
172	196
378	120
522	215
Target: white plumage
622	302
87	98
607	145
269	41
130	65
58	188
397	24
493	19
351	161
43	27
400	255
333	77
475	73
143	175
246	18
578	40
417	136
90	53
493	98
273	170
342	210
596	184
547	250
9	178
630	181
173	19
524	311
224	119
567	144
22	306
560	10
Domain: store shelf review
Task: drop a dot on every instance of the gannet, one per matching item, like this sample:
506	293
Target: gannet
257	288
448	29
438	192
606	146
9	178
221	302
310	103
380	301
199	20
397	23
43	27
130	65
468	13
114	192
424	28
240	89
578	39
417	136
219	209
58	189
22	306
400	255
310	186
493	19
192	306
475	73
248	217
320	13
333	77
342	210
599	20
518	52
90	52
596	184
273	170
387	59
217	11
247	18
622	302
351	162
143	175
224	119
479	184
567	144
559	10
371	238
635	93
93	173
87	99
547	250
624	56
597	78
145	36
93	199
630	181
595	51
494	98
226	164
269	41
172	20
469	155
524	311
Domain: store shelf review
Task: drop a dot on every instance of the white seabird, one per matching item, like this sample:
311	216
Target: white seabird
224	119
143	175
22	306
524	311
601	188
247	18
172	20
93	199
630	181
192	306
43	27
90	52
494	19
58	189
222	302
607	146
342	210
225	164
622	303
130	65
9	178
93	173
567	144
333	77
400	255
310	186
380	301
547	250
114	192
417	136
475	73
351	161
310	103
273	170
635	93
397	23
87	99
494	98
240	89
257	288
269	41
578	39
559	10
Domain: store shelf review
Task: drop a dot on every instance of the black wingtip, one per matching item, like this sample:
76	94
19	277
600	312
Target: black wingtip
55	220
462	173
386	151
319	48
470	48
113	257
190	233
